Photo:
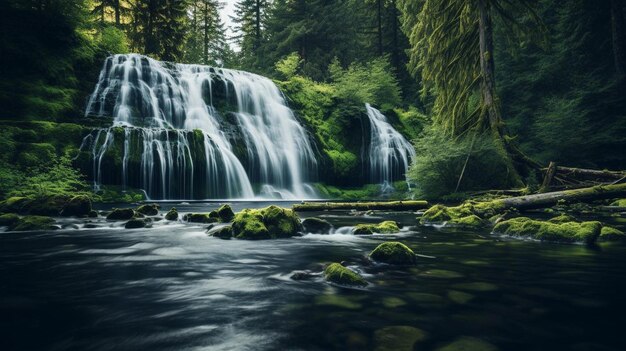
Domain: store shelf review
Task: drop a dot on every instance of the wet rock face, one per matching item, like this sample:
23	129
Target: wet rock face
338	274
78	206
316	226
172	214
149	209
121	214
137	223
393	253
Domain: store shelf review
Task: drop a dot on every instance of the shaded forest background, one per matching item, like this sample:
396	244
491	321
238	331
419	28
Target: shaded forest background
561	92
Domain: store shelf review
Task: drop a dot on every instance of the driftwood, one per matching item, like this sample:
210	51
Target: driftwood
550	199
362	206
559	177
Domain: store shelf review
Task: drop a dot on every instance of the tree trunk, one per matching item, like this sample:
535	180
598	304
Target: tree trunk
619	36
550	199
490	104
257	42
362	206
380	27
205	42
116	6
395	57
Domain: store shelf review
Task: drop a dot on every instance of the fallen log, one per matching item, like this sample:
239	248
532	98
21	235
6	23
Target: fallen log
411	205
543	200
581	173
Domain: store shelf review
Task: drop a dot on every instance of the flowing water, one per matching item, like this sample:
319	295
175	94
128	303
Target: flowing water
172	287
219	132
389	152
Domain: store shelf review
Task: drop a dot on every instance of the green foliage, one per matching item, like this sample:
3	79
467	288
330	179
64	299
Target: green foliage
440	160
288	66
112	40
57	179
372	82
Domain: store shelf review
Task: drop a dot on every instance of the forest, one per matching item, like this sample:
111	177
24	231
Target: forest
426	127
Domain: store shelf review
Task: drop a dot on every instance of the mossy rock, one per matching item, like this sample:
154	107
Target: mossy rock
172	214
471	221
386	227
14	204
200	218
464	214
78	206
225	213
225	233
567	232
121	214
398	338
562	219
8	219
136	223
393	252
50	205
316	226
92	214
149	209
338	274
33	223
611	234
272	222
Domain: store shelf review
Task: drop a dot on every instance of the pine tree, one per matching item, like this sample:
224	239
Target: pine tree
250	24
207	42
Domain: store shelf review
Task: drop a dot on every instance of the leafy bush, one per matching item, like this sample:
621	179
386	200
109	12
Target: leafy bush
288	66
440	159
58	179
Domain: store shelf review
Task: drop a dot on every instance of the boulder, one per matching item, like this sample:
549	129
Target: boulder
611	234
567	232
9	219
225	213
172	214
79	206
393	252
316	226
225	232
92	214
200	218
272	222
386	227
149	209
137	223
121	214
338	274
33	223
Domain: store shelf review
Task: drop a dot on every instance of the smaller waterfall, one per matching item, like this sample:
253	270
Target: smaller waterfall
389	153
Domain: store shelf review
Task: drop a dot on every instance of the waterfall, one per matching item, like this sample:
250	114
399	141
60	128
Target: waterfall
389	152
196	132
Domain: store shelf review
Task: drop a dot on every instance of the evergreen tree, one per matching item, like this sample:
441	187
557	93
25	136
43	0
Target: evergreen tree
250	20
207	41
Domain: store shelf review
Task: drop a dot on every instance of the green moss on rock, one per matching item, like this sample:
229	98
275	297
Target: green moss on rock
393	252
8	219
79	206
149	209
13	204
338	274
121	214
468	221
225	213
611	234
136	223
267	223
465	214
619	203
386	227
33	223
222	233
562	219
587	232
172	214
200	218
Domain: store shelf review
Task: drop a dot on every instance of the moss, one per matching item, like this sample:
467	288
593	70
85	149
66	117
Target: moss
267	223
619	203
338	274
121	214
49	205
386	227
33	223
79	206
316	225
464	214
562	219
35	155
586	232
393	253
172	214
200	218
469	221
13	204
149	209
8	219
611	234
225	213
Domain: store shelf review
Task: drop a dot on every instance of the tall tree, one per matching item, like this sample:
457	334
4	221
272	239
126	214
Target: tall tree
250	23
619	36
206	39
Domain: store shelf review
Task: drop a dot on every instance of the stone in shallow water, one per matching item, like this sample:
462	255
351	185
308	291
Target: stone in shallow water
338	274
316	226
121	214
386	227
459	297
337	301
425	297
398	338
441	273
476	286
466	343
149	209
393	253
393	302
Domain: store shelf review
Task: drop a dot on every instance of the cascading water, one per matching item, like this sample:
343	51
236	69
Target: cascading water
190	131
389	152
